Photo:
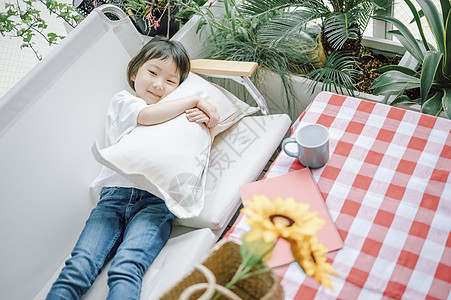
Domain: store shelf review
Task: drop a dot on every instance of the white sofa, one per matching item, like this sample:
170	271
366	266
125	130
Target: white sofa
48	123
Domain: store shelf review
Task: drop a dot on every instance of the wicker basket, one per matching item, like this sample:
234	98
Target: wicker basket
223	262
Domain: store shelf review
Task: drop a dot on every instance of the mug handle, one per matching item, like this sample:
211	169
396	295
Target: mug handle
288	152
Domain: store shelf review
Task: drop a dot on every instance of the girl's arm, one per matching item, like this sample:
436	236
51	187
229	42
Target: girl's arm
164	111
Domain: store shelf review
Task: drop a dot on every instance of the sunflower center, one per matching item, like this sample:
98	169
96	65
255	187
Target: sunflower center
284	220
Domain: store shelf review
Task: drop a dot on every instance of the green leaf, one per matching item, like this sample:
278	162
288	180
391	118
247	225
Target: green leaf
411	48
3	17
361	13
338	30
420	14
201	24
430	65
27	38
261	7
399	68
284	26
404	100
394	81
436	24
233	18
337	75
226	7
416	17
440	80
446	8
409	41
446	68
433	106
446	101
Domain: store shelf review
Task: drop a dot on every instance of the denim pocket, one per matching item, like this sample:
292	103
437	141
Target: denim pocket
106	191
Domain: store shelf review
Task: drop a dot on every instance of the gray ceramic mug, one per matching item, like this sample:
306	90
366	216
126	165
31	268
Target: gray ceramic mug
312	142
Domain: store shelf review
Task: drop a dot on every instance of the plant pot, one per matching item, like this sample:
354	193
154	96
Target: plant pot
223	261
85	7
162	30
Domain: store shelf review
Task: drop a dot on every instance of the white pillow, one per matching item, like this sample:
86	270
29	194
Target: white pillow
230	108
170	160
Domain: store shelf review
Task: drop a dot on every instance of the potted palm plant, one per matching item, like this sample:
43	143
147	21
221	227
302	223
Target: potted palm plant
234	36
284	41
433	78
342	24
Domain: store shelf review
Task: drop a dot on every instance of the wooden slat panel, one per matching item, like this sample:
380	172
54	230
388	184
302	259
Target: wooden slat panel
223	67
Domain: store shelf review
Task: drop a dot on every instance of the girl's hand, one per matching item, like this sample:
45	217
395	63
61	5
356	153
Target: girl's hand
197	115
210	110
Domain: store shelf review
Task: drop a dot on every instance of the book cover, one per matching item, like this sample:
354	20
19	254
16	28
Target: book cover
300	185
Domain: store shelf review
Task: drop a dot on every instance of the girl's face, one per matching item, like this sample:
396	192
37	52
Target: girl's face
155	79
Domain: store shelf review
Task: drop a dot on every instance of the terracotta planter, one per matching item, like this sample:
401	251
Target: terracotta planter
223	261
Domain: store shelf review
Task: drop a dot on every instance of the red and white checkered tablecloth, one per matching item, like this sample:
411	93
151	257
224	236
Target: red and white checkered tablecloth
387	186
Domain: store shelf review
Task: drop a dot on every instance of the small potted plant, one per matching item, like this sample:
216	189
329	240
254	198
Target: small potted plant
154	17
150	17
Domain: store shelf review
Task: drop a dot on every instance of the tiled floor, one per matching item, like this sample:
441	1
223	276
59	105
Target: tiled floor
16	62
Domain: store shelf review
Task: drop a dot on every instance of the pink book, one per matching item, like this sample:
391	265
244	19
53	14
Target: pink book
300	185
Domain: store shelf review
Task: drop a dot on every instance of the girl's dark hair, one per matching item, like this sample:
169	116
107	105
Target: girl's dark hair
160	48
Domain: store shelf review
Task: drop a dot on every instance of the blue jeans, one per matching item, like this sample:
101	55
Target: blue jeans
129	225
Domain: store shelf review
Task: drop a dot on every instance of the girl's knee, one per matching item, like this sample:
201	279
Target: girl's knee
125	280
129	265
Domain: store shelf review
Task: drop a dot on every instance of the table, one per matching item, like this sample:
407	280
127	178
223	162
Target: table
387	186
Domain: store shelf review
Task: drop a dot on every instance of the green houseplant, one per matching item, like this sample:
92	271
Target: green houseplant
434	77
154	17
235	36
150	17
184	13
342	23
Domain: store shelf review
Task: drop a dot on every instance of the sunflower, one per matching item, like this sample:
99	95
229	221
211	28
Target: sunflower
283	218
309	253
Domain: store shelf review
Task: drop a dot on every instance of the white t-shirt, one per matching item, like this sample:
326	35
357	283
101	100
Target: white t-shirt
121	118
